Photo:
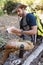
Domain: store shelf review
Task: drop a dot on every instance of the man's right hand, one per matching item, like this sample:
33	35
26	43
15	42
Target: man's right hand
14	30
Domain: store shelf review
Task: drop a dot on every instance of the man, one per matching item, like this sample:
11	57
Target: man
27	24
25	29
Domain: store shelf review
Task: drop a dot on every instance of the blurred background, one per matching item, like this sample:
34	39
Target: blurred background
8	19
6	6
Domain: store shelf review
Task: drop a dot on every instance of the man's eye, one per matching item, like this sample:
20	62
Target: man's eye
18	11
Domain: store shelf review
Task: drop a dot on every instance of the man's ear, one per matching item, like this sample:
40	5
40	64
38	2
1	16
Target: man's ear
23	10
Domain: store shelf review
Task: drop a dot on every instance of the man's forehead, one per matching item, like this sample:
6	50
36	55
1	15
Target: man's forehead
18	9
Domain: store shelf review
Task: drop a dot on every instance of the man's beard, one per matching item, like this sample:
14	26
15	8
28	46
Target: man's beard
20	15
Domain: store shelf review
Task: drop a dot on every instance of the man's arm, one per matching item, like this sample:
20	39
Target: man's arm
19	32
33	31
33	23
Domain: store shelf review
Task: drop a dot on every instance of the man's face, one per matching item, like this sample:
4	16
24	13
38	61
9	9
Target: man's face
20	12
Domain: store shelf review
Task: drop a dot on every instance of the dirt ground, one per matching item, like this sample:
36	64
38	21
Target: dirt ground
8	21
5	22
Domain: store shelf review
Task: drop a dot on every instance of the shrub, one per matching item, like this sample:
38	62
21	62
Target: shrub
1	12
9	6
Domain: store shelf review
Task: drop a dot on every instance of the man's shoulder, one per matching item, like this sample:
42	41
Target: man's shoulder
32	19
30	15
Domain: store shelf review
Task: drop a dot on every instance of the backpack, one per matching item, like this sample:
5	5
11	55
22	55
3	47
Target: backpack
39	26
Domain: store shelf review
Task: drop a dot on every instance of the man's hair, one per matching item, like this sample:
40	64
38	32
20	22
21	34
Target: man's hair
19	6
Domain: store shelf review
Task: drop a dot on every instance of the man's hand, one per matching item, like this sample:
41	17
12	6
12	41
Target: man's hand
14	30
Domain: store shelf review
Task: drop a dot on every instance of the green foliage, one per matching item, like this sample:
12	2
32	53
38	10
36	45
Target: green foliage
9	6
1	12
2	2
2	41
29	2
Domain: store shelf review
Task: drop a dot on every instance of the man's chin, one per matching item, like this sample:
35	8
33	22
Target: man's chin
20	16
